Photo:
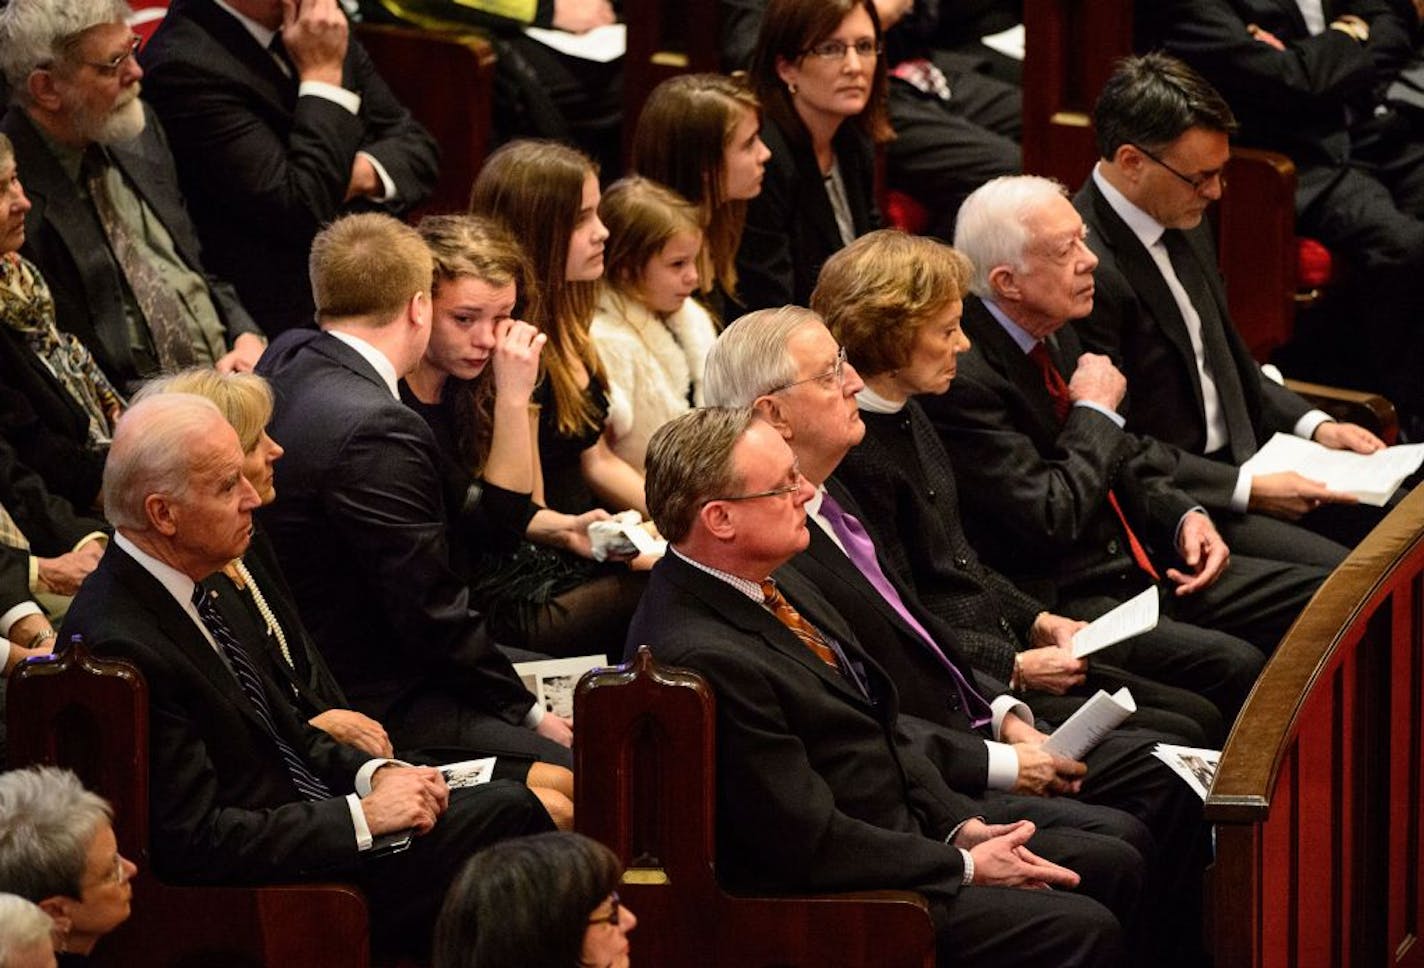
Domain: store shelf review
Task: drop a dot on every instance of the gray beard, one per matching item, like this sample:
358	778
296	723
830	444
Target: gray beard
122	124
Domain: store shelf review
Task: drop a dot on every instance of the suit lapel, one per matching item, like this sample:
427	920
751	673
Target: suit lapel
823	217
252	66
1003	355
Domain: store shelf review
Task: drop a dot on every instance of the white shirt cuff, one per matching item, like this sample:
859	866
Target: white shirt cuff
534	716
1309	423
358	820
968	866
1003	766
16	613
368	770
388	186
349	100
1112	415
1005	704
1241	494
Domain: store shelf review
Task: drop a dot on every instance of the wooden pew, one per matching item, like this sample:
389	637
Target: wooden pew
665	38
1317	801
447	82
644	751
90	715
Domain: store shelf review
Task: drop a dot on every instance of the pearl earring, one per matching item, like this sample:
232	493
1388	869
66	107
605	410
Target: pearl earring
791	87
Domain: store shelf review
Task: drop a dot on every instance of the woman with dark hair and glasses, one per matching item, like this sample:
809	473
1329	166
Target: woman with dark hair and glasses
547	901
818	71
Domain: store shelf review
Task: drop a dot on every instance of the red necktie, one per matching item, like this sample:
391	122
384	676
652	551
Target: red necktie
1062	402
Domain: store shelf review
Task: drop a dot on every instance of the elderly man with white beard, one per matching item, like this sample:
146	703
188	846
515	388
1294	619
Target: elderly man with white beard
108	229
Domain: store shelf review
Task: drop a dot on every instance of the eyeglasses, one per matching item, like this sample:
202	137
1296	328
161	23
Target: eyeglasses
111	67
115	876
612	916
834	50
791	488
832	378
1198	182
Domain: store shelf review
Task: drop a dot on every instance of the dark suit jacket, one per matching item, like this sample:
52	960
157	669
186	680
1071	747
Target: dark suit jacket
223	807
64	239
360	531
817	789
791	229
264	170
1035	491
1293	101
1135	321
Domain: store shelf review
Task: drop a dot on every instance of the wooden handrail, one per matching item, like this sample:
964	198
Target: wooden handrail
1317	798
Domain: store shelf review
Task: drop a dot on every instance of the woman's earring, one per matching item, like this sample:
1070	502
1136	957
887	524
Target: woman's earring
791	87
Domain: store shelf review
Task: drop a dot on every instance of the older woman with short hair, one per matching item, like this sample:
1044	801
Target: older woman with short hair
57	849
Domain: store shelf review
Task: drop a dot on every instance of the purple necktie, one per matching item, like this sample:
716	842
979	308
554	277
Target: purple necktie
861	551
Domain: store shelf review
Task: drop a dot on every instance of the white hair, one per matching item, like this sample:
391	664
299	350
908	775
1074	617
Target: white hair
47	821
750	357
150	453
22	926
37	33
990	227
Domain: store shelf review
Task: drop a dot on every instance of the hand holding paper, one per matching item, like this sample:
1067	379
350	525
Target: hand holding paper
1093	720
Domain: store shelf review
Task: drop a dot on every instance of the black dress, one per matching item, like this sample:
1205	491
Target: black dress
560	455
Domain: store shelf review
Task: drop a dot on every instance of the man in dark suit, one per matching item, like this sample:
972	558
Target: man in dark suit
108	228
1057	495
1307	78
1160	313
358	524
242	791
817	787
280	123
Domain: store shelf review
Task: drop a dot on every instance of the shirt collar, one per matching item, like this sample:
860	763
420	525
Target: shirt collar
867	399
748	588
179	585
1025	340
259	33
378	360
1147	229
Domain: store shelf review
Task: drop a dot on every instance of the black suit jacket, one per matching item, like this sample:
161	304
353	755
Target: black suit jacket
791	228
64	239
1136	322
817	788
360	531
223	808
263	169
1035	491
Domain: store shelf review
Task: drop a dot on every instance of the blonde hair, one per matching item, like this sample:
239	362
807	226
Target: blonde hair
367	267
535	188
641	217
681	140
245	399
877	292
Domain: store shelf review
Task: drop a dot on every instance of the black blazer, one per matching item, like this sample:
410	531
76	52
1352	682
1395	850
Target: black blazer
1036	492
222	805
817	787
264	170
64	239
1136	322
791	229
360	532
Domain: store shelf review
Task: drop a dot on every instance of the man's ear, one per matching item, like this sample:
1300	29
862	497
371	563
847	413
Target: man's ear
717	519
772	409
42	89
1003	282
1129	160
419	309
159	508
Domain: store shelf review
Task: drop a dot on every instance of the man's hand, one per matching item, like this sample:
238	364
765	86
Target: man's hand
364	183
515	359
1097	381
24	631
405	798
1002	860
15	654
1204	551
581	16
1042	773
1049	629
242	358
1288	495
315	35
1051	669
64	575
350	727
1347	436
556	728
1265	36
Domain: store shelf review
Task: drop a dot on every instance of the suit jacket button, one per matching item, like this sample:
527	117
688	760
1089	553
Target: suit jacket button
1113	547
961	562
931	494
1004	624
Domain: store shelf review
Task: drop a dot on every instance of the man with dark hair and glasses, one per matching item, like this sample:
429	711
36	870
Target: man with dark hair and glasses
1160	313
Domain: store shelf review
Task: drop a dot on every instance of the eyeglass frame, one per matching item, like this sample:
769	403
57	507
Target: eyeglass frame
837	371
822	51
115	876
1196	183
773	492
111	68
613	916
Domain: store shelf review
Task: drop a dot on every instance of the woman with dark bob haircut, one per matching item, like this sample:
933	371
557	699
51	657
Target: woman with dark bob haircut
547	901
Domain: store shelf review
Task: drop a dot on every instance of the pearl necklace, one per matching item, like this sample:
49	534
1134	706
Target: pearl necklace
264	610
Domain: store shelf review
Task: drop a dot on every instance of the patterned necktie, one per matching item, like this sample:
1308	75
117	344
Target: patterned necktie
809	635
860	548
156	299
306	782
1062	403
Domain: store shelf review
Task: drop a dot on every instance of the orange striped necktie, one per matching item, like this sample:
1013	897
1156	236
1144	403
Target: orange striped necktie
809	635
